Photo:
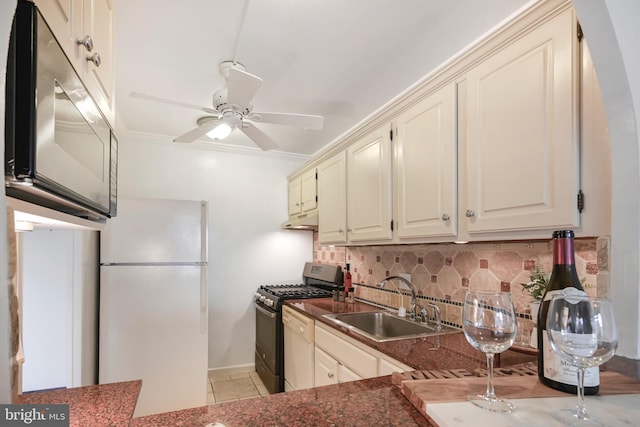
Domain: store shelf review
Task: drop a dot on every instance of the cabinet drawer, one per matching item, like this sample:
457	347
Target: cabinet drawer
387	367
326	369
357	360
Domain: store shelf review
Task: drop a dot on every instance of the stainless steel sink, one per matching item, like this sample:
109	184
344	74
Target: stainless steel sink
382	326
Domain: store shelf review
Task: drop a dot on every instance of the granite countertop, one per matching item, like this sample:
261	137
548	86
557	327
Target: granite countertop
105	405
451	351
371	402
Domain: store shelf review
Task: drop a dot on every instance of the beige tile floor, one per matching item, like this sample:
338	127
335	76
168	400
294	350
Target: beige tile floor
225	388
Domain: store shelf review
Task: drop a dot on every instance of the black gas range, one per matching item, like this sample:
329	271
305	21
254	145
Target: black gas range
318	281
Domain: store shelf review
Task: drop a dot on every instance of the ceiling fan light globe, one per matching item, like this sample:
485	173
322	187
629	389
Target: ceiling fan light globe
221	131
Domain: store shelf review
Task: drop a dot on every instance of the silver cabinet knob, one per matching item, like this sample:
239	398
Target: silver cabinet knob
349	230
340	230
87	42
95	58
469	213
445	217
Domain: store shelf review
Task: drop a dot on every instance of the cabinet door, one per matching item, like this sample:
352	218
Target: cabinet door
521	133
64	17
369	187
326	369
332	200
309	191
295	203
425	183
99	79
345	375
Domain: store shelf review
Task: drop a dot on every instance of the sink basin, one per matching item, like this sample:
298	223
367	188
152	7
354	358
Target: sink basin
382	326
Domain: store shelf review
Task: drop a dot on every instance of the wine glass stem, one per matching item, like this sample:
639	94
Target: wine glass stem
581	408
490	393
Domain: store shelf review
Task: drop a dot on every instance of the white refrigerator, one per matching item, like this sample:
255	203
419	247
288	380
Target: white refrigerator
153	302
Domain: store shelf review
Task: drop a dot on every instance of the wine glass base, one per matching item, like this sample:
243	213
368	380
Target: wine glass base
491	404
569	417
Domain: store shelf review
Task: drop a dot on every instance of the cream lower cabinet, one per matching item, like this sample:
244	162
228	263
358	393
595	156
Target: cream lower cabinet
521	141
339	358
425	167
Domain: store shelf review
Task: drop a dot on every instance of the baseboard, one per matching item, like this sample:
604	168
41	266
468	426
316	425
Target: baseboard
231	370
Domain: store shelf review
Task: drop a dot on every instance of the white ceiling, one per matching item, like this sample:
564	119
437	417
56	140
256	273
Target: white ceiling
342	59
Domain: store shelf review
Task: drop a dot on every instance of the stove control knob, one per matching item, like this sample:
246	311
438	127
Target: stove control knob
262	298
269	302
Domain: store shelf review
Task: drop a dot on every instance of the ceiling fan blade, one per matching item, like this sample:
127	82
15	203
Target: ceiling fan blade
242	87
305	121
196	133
172	102
258	137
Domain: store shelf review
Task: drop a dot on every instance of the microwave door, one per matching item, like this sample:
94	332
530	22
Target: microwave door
73	140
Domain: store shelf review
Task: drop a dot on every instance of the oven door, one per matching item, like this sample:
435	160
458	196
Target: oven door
269	348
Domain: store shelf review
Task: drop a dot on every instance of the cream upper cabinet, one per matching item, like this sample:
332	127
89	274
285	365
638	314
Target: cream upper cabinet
369	187
425	172
521	141
308	190
84	29
302	193
99	74
64	17
332	200
295	196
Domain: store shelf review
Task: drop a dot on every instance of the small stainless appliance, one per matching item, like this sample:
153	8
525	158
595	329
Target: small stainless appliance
60	151
318	281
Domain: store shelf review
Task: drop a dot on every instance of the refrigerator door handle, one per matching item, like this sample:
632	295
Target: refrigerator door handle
204	252
203	299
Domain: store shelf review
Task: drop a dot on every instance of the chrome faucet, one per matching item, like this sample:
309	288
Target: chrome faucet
414	304
436	315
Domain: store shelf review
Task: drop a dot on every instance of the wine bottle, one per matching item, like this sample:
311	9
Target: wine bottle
347	279
552	370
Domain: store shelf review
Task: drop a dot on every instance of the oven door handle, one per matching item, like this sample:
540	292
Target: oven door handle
266	312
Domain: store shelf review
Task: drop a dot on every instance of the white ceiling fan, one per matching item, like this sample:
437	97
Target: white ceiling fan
232	110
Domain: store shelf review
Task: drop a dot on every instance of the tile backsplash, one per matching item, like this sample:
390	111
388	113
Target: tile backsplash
442	273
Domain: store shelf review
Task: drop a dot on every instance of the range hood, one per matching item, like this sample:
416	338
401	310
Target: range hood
306	221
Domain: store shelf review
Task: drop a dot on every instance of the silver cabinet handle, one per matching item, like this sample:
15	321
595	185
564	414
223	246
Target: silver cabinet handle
445	217
469	213
330	375
87	42
349	230
340	231
95	58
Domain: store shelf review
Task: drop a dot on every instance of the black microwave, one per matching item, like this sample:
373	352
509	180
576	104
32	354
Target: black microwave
60	151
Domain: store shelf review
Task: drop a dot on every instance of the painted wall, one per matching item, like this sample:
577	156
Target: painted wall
610	27
247	195
59	308
46	303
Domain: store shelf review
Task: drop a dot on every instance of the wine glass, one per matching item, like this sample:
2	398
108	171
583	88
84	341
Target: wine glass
582	330
489	324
